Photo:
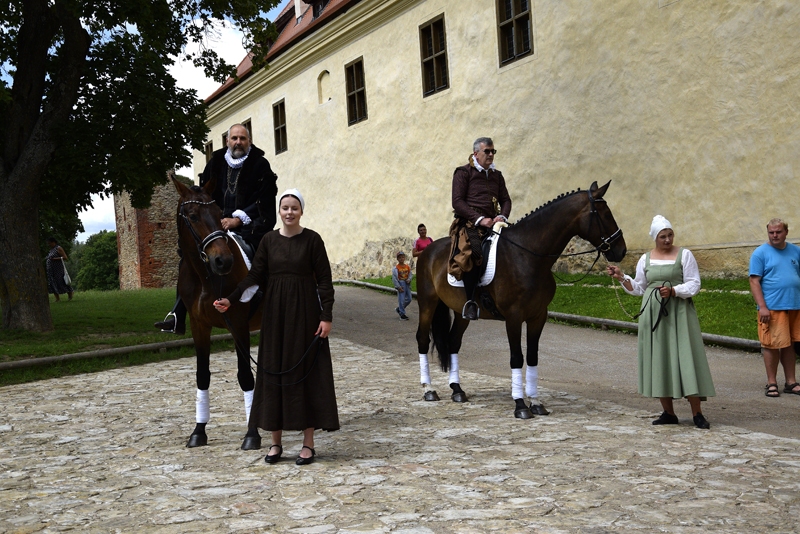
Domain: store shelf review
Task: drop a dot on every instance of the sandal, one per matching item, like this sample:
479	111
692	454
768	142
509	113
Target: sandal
789	388
772	391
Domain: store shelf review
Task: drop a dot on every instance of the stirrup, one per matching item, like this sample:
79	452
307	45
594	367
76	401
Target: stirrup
477	311
175	322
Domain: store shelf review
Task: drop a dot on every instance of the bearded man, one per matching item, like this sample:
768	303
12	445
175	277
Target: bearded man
245	192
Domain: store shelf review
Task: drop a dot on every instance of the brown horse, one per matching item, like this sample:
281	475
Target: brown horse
522	288
211	267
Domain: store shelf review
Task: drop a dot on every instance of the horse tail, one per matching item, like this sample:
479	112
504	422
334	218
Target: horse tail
440	332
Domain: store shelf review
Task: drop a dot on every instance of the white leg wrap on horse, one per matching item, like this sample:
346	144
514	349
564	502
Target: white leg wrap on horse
454	370
532	381
202	411
516	384
248	403
424	370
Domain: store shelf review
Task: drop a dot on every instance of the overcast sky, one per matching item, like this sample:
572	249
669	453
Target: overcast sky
229	47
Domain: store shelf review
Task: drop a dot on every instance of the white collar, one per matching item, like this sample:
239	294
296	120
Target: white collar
236	163
478	165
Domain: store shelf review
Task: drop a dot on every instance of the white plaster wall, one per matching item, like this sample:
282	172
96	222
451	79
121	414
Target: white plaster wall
690	108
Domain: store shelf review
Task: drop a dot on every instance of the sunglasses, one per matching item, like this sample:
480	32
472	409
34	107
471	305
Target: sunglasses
490	151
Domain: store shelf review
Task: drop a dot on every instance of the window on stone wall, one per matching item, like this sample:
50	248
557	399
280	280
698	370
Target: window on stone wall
433	51
225	139
209	151
279	123
249	125
515	21
356	92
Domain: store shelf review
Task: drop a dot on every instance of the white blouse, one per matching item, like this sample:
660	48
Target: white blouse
691	276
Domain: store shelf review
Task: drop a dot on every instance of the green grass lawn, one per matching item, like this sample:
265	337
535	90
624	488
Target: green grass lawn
95	320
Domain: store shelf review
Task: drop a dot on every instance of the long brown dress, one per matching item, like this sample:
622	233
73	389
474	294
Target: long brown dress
296	276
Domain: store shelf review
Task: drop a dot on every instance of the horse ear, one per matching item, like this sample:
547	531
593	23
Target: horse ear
599	192
180	186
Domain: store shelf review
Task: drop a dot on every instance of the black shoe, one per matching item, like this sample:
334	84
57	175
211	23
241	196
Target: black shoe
273	458
305	461
404	317
397	310
666	419
470	310
700	422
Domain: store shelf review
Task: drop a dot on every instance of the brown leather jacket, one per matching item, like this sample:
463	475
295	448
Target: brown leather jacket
476	192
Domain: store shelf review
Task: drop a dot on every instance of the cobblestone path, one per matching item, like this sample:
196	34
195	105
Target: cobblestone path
106	452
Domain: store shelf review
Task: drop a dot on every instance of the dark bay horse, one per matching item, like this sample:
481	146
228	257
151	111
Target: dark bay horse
211	268
522	288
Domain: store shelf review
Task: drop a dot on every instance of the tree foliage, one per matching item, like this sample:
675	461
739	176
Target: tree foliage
89	106
99	262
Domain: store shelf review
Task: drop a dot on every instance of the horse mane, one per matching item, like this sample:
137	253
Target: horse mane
196	188
550	203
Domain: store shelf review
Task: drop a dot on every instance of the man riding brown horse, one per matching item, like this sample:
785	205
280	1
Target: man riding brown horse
480	199
245	192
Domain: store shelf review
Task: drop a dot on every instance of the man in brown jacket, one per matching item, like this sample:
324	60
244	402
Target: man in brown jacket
480	199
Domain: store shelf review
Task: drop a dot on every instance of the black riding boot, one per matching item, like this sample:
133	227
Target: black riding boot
175	321
470	280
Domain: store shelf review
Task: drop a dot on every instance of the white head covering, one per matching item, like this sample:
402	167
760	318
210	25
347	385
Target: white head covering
294	193
658	224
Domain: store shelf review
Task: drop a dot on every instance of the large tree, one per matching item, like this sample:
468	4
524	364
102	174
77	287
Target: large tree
88	106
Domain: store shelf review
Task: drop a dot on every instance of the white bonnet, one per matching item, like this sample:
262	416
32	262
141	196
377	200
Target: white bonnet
294	193
658	224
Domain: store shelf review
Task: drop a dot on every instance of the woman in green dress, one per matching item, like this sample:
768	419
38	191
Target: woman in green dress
672	358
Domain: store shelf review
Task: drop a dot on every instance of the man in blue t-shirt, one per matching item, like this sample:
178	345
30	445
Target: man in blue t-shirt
775	284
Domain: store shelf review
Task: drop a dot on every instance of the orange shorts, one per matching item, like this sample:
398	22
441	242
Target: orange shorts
783	328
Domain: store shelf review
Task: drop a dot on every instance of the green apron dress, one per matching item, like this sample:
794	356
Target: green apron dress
672	359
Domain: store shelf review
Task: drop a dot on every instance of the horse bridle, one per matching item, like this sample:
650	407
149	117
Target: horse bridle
201	243
605	242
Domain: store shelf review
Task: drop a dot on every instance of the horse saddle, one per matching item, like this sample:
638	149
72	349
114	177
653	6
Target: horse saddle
245	247
489	249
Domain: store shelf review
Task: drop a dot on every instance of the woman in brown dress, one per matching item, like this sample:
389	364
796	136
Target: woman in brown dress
294	380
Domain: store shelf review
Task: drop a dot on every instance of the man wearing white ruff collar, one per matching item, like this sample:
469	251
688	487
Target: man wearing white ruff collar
245	192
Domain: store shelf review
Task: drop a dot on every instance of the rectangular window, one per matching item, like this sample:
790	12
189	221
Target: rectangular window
279	124
433	51
356	92
248	124
514	18
209	150
225	139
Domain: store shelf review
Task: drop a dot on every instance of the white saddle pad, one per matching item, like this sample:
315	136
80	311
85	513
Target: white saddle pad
488	275
248	293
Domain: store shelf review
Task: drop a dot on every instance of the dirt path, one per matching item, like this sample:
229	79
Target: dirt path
591	363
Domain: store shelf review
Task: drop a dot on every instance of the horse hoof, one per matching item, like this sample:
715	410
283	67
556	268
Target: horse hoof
459	396
539	409
197	440
251	443
431	396
523	413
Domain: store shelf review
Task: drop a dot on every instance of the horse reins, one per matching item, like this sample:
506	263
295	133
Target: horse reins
604	246
201	245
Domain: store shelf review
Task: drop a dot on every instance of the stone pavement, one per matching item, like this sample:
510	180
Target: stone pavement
105	452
